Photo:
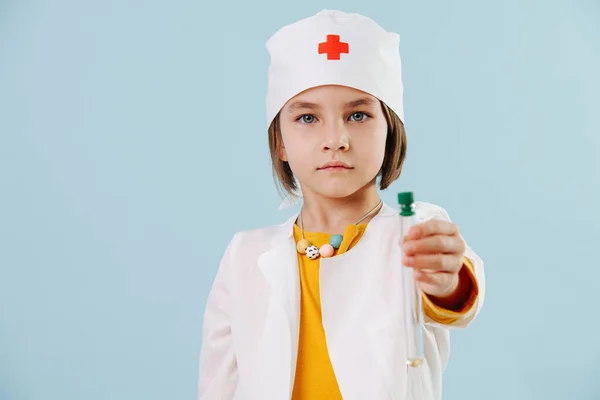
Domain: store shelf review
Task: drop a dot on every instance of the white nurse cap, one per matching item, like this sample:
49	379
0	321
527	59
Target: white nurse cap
335	48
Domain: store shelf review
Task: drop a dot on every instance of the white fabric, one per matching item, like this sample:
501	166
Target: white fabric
251	323
290	201
372	63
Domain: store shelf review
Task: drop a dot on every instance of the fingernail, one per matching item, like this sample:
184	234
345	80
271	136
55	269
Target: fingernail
414	232
407	260
408	248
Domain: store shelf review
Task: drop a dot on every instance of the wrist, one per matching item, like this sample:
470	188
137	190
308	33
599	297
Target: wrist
456	298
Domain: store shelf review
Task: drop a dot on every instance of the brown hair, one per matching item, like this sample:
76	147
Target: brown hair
395	152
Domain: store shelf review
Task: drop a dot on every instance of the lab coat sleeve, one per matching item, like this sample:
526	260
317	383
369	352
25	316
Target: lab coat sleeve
448	317
218	367
474	263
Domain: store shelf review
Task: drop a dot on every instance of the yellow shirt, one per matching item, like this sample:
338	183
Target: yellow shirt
315	378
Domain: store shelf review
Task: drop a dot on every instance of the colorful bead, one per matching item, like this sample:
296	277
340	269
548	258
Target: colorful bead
335	241
312	252
326	250
302	246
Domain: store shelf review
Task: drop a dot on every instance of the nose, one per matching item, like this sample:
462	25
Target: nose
336	138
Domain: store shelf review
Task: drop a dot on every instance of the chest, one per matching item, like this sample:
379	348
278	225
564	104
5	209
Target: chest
361	309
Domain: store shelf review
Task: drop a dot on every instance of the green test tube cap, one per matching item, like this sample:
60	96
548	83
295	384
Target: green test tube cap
406	200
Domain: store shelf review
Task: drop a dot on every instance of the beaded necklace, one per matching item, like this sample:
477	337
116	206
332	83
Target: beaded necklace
304	246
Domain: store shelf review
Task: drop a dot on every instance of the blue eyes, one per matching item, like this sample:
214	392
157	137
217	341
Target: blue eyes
355	117
361	116
307	119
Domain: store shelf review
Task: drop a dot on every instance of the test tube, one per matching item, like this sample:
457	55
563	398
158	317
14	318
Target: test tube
413	309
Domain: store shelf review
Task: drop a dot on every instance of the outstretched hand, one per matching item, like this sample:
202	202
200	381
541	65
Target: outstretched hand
435	250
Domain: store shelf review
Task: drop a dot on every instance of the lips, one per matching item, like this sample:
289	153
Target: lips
335	166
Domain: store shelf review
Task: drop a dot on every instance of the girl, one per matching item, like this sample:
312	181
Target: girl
312	308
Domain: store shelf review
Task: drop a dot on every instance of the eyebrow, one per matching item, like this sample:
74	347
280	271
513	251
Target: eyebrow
364	101
299	105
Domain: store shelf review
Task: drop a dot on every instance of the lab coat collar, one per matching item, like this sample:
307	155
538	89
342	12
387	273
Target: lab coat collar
286	230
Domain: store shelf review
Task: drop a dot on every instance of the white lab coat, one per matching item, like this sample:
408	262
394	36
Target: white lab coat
251	323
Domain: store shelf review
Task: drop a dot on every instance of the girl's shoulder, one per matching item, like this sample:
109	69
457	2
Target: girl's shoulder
253	242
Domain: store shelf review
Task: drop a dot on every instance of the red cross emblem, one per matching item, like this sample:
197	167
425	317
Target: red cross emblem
333	47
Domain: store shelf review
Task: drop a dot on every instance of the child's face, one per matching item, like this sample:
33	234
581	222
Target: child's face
333	124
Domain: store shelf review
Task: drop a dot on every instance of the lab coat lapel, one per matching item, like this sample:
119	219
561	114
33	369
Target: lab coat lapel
345	279
349	283
279	266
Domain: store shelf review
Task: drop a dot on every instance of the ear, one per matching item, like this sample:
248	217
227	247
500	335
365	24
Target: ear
282	153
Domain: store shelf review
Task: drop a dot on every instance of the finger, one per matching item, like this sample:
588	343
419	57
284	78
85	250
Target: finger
434	244
432	227
430	278
434	262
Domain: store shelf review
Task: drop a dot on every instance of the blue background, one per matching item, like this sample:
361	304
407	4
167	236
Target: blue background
133	145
